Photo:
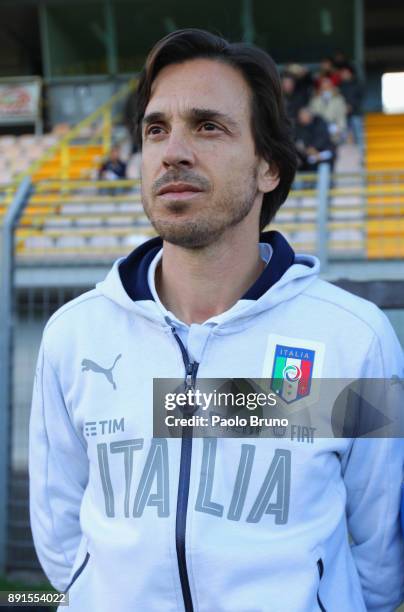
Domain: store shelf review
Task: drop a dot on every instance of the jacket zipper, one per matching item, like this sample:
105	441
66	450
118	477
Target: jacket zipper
320	567
191	369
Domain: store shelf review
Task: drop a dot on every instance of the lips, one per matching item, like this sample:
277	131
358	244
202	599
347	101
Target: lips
178	188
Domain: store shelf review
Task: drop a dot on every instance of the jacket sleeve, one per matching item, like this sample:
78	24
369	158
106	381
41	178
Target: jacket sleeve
58	472
373	475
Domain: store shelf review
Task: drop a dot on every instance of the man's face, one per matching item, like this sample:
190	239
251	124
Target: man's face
114	155
200	173
345	74
288	85
304	116
326	65
326	85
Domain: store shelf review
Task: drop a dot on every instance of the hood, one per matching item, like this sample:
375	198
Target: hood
130	283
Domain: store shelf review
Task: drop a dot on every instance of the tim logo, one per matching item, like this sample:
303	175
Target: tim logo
292	372
88	364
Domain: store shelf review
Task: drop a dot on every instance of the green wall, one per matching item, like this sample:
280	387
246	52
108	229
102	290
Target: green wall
75	39
290	30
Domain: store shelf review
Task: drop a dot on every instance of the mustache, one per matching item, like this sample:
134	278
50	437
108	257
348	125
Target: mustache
182	176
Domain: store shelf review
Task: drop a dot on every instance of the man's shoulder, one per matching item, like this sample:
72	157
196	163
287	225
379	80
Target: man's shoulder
72	310
355	310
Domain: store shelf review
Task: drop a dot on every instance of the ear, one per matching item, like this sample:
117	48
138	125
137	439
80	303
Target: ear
268	176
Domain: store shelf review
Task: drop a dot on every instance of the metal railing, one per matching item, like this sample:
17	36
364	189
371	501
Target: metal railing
355	216
7	227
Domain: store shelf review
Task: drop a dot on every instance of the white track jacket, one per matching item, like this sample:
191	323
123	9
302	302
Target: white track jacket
134	523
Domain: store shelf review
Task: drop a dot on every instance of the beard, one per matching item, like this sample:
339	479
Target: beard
208	220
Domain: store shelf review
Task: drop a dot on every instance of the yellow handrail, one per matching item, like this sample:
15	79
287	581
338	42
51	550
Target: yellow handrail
104	111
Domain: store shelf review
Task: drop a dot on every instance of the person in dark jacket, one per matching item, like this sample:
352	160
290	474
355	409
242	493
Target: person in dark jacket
313	141
296	92
352	91
113	168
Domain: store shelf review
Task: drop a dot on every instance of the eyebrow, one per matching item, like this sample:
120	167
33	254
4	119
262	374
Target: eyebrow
194	115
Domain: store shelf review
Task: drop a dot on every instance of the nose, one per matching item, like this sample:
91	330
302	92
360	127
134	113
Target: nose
178	152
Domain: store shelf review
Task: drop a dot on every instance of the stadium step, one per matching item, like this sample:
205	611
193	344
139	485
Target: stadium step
384	136
82	161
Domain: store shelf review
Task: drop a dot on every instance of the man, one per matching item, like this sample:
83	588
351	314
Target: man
330	105
327	70
313	141
352	91
128	521
295	94
113	168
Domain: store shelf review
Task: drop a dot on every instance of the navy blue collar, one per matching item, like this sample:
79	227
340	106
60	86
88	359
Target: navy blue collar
283	256
134	268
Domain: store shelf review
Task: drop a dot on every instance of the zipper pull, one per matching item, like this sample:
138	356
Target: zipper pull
190	376
188	381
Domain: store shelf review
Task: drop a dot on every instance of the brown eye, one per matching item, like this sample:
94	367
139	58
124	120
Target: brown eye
153	130
209	127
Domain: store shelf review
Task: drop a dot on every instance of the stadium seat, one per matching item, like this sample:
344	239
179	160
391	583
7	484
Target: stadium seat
102	241
124	221
38	242
134	240
70	241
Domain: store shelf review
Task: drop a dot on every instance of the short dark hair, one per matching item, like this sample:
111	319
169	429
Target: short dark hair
270	125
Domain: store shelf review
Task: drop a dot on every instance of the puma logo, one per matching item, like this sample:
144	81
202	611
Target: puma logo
87	365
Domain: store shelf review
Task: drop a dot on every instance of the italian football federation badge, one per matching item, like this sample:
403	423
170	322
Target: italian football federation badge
294	367
292	372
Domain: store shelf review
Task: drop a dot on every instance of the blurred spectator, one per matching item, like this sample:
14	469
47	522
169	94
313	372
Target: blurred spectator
291	96
329	104
351	90
113	168
303	79
296	87
328	70
313	141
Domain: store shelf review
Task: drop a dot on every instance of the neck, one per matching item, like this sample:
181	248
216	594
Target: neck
196	284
